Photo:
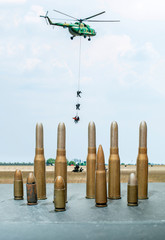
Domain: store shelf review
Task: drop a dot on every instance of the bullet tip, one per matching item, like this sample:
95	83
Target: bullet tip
39	135
114	135
31	178
59	183
91	123
143	124
61	125
143	134
114	124
132	179
18	175
100	158
91	134
100	149
39	125
61	136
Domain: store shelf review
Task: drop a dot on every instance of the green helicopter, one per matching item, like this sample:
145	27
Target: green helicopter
78	28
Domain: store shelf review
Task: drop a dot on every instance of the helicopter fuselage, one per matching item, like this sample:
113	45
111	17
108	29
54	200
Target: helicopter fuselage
75	29
81	30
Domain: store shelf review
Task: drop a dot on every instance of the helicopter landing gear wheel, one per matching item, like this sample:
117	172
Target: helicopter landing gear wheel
89	39
85	36
71	38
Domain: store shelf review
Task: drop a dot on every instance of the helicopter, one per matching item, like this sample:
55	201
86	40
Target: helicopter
79	28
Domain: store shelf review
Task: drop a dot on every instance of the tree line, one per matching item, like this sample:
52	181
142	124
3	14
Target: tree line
49	162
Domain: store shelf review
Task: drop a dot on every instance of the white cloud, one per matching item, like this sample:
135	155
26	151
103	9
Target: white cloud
86	80
130	64
38	49
17	20
102	51
156	78
13	49
150	51
138	67
1	49
33	15
137	9
56	63
31	63
12	1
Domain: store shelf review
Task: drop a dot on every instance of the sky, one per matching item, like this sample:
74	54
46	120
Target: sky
122	77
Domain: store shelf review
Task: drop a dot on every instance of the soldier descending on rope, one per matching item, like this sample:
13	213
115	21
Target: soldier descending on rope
78	106
76	119
78	93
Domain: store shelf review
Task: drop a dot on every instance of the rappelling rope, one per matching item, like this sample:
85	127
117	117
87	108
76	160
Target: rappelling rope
79	65
79	74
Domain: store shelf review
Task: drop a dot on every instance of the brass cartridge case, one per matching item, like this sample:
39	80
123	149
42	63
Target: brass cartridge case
132	191
39	164
59	194
18	185
31	190
101	184
114	165
91	161
61	162
142	163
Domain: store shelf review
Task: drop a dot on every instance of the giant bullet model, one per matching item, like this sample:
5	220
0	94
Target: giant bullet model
114	165
61	162
59	194
91	161
132	190
18	185
101	184
31	190
142	163
39	164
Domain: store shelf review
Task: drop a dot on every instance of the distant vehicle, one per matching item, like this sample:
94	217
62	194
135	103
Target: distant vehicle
77	168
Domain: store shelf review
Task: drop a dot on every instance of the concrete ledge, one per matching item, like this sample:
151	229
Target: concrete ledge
82	220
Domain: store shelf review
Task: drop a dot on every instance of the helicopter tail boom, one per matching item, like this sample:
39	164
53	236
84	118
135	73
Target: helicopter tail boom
48	21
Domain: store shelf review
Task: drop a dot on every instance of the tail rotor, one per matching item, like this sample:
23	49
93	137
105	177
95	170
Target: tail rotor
46	17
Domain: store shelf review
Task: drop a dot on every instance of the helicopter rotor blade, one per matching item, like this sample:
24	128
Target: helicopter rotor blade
92	16
66	15
103	20
62	19
45	15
